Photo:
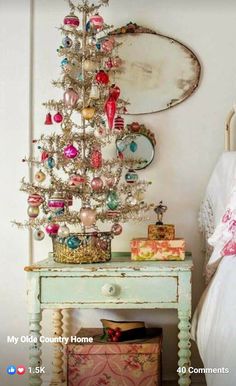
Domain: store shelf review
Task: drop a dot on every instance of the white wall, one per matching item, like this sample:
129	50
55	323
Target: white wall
189	137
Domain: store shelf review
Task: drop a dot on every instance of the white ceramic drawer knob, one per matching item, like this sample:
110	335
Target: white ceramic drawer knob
109	289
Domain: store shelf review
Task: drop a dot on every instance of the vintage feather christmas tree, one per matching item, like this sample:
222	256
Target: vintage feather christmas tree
75	188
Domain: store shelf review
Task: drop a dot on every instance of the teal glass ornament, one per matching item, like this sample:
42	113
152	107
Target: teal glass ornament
131	176
112	200
64	62
133	146
50	162
59	212
73	242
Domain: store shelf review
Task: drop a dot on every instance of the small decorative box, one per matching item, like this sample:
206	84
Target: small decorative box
145	249
115	364
161	232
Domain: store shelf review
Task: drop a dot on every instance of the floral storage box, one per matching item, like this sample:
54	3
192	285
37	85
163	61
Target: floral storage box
145	249
114	364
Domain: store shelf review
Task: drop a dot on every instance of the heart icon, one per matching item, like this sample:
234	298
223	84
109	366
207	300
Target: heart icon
21	370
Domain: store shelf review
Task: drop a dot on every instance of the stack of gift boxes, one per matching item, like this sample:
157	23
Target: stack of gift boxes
161	243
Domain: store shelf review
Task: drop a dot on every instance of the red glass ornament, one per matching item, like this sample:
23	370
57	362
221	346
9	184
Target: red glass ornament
110	110
48	119
58	117
96	159
116	229
52	229
114	92
70	151
119	123
102	77
109	63
96	184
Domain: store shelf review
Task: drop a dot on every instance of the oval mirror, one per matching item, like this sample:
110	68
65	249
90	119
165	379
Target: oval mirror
157	72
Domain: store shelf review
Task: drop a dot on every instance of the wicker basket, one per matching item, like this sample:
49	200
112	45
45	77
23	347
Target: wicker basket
94	248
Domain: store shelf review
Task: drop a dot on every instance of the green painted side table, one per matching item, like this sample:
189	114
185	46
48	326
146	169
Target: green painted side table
120	283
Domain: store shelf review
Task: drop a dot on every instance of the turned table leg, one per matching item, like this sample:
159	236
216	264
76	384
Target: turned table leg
58	376
35	349
184	314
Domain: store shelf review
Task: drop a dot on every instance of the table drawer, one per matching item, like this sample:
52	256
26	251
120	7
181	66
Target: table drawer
108	289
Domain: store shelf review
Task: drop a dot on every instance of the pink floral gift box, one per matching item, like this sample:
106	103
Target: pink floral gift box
115	364
145	249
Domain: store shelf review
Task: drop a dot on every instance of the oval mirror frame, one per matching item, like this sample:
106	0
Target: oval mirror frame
157	72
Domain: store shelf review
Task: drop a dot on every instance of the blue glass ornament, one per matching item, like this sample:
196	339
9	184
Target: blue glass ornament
98	46
133	146
50	162
121	146
73	242
59	212
67	42
88	26
64	62
131	176
112	200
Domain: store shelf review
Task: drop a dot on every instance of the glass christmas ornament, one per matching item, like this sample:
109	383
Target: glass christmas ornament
139	195
52	229
112	200
77	180
71	21
70	97
50	163
133	146
59	212
88	26
67	42
70	151
135	127
107	45
39	234
131	176
89	65
102	77
33	211
63	231
94	92
98	46
117	62
96	159
64	62
73	242
44	156
119	123
69	200
48	119
110	181
35	200
40	176
58	118
109	63
56	201
88	113
116	229
97	184
87	216
110	110
96	21
114	92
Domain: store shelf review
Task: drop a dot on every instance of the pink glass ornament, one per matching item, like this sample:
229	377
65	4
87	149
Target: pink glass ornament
102	77
44	156
96	184
109	63
35	200
110	182
70	97
116	229
114	92
117	62
52	229
107	45
56	203
71	20
96	21
87	216
77	180
58	117
70	151
48	119
96	159
110	110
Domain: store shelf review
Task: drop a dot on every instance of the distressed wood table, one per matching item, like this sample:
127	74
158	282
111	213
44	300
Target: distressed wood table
120	283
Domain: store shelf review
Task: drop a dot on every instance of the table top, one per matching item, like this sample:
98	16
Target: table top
120	261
